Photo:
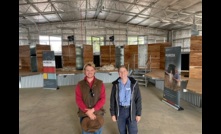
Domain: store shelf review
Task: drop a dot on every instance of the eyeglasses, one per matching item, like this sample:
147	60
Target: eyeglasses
92	93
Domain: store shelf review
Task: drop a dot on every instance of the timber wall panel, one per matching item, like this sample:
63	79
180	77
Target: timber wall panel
162	54
154	53
39	55
24	58
25	63
88	53
196	57
195	72
107	55
131	56
157	53
40	48
24	51
69	56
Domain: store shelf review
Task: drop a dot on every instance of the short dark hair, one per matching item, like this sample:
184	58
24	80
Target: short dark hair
121	66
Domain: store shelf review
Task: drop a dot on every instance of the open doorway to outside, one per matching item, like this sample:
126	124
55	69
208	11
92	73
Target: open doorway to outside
97	41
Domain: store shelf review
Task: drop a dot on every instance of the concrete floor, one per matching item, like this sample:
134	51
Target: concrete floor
45	111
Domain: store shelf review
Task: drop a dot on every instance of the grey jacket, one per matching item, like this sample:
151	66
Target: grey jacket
136	100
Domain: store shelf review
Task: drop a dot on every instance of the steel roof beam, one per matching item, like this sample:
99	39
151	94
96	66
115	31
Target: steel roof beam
99	8
36	8
55	11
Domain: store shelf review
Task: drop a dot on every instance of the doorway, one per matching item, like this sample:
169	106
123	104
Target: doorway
97	42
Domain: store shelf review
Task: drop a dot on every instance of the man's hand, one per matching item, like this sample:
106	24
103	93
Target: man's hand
113	118
90	113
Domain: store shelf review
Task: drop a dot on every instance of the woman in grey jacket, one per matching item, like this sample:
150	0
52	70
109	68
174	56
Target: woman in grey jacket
125	102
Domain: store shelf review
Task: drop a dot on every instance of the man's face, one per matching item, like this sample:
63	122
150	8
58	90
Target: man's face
89	71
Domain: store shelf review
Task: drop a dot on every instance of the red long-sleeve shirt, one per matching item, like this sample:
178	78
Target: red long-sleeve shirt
81	103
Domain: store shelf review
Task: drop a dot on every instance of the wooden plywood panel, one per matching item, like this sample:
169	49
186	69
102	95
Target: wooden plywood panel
195	47
154	55
196	43
162	62
68	50
69	56
20	65
88	53
107	60
163	46
195	54
105	50
162	66
195	57
24	58
195	85
155	63
153	48
40	64
24	51
69	64
131	56
107	55
25	63
40	48
195	72
157	53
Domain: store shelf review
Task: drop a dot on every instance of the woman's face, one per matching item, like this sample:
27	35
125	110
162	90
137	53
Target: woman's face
123	72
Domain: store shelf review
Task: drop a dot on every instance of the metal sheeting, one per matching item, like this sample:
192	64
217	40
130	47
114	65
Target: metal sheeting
159	84
142	55
19	82
151	80
63	79
32	81
193	98
119	55
107	77
69	79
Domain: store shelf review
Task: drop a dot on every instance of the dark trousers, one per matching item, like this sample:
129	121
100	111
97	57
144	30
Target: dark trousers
125	125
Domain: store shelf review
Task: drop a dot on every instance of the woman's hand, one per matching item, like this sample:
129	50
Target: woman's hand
138	118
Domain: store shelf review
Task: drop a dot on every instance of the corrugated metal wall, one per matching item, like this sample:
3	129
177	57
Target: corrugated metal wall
31	81
63	79
159	84
142	55
191	97
107	77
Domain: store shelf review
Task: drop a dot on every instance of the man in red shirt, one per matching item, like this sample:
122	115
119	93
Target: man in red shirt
90	96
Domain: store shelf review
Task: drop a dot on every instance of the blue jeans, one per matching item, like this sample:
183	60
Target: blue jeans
125	125
99	131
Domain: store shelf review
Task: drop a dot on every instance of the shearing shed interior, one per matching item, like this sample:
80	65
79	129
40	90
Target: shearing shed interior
149	37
